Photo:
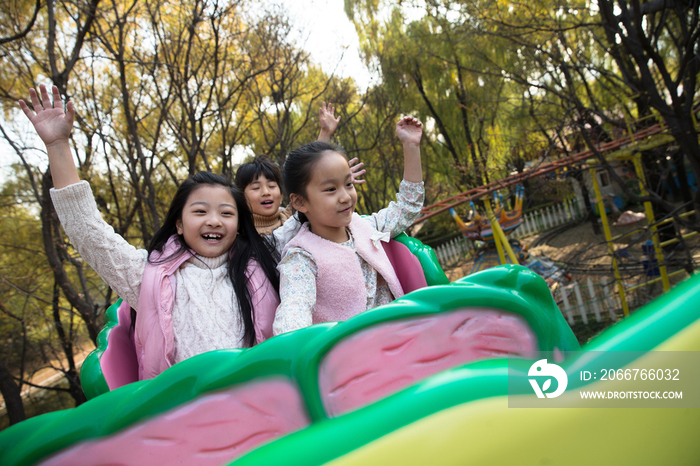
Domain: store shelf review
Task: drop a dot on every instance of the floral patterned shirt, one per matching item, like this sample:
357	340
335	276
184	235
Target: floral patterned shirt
298	269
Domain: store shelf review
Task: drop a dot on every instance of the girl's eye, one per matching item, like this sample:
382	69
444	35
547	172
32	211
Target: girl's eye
200	211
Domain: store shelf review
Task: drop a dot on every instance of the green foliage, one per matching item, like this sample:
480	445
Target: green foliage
167	88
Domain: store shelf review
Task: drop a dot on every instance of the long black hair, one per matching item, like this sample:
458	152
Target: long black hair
299	165
247	246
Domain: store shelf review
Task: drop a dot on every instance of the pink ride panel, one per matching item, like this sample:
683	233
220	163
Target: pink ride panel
119	364
384	359
406	265
212	430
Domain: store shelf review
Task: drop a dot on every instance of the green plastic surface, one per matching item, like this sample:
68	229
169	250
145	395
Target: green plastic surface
296	355
434	275
91	377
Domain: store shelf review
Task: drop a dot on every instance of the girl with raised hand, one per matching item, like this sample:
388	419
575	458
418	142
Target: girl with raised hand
261	182
335	267
207	281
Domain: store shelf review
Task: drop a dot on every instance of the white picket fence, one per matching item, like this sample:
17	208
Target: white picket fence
590	301
453	251
535	222
550	217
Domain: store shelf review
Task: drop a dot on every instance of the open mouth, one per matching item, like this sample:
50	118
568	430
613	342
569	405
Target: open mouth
267	203
212	236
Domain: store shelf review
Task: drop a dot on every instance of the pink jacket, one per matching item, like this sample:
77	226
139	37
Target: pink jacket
340	284
154	338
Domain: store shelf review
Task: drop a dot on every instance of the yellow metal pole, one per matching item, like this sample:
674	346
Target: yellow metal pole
654	280
608	239
496	238
650	219
505	242
692	234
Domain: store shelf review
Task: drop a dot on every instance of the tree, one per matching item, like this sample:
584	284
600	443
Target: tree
656	47
162	91
440	65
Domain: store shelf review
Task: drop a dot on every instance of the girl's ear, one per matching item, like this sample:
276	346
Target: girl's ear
178	225
298	202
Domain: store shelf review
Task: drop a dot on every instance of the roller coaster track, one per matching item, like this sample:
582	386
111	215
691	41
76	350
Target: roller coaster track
644	139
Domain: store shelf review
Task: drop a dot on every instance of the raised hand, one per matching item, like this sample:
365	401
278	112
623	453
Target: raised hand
327	121
409	130
51	123
355	169
53	126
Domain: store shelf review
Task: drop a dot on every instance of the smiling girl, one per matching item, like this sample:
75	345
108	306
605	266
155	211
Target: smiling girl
207	281
261	181
335	267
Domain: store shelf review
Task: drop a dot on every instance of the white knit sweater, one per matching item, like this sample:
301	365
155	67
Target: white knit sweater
205	312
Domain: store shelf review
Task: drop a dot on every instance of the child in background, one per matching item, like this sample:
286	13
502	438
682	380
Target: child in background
335	267
207	280
261	180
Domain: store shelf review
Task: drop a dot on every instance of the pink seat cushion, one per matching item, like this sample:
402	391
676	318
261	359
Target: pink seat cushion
212	430
406	265
388	357
119	364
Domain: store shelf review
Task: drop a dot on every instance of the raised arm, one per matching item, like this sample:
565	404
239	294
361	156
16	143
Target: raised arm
409	131
53	126
399	215
327	121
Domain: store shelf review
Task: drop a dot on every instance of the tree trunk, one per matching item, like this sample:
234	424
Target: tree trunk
682	176
66	339
653	183
578	176
12	395
48	226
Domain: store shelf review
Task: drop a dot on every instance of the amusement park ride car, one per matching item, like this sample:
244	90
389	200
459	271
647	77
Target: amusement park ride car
423	380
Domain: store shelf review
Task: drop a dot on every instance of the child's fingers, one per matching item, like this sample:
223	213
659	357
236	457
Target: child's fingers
409	120
46	101
35	100
25	108
70	113
56	97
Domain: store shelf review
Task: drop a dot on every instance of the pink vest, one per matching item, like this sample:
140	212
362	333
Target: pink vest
154	338
340	285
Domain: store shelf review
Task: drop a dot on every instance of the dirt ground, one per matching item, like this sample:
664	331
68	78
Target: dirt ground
584	255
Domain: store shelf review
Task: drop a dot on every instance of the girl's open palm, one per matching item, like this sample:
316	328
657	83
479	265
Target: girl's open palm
327	119
409	130
51	123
